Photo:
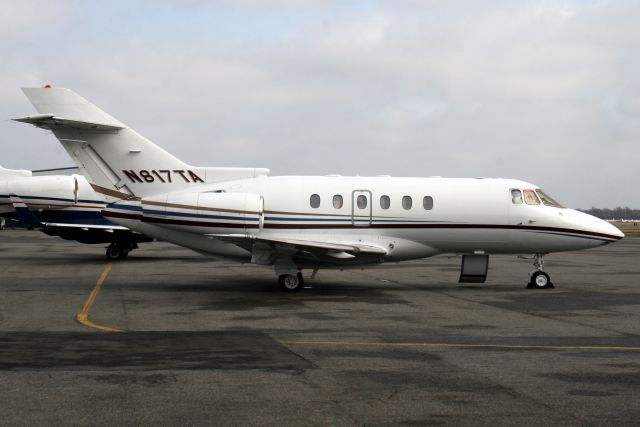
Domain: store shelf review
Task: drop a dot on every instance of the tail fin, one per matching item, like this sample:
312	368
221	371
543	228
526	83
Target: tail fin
118	161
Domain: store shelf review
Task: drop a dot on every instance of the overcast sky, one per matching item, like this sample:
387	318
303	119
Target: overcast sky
544	91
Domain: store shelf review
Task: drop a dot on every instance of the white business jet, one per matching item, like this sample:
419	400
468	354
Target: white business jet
65	206
309	222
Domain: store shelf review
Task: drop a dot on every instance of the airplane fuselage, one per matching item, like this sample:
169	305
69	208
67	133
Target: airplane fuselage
408	217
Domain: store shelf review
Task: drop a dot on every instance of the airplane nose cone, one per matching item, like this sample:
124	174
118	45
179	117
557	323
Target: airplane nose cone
608	228
594	226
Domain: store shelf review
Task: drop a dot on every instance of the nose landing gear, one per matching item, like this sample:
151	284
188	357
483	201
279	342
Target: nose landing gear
539	279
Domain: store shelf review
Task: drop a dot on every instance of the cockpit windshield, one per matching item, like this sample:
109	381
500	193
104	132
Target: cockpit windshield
547	200
530	197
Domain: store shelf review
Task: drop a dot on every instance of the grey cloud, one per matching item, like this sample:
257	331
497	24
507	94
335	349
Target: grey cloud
543	91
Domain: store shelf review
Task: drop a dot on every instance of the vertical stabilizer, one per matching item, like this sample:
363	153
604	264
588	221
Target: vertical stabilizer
119	162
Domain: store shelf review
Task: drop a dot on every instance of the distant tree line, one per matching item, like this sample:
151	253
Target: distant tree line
616	213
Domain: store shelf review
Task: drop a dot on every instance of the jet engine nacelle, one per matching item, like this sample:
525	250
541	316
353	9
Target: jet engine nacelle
205	210
42	192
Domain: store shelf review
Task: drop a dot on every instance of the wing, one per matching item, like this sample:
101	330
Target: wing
65	171
311	249
86	226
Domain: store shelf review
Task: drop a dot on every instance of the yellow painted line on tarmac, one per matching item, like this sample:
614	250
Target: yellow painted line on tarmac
460	345
83	316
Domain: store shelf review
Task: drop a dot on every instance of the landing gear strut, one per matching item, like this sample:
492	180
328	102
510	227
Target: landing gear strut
290	282
539	279
119	250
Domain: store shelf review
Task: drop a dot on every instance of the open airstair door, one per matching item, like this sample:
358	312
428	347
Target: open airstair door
474	268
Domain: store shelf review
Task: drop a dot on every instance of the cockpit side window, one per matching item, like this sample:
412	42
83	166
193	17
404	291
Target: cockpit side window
547	200
516	197
530	197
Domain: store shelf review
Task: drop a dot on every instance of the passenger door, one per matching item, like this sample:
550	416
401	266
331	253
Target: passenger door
361	208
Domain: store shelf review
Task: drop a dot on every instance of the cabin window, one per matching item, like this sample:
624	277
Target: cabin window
361	201
427	203
385	202
530	197
547	200
406	202
314	201
516	197
337	201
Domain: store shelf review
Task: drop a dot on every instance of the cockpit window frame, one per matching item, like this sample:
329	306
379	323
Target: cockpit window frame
547	200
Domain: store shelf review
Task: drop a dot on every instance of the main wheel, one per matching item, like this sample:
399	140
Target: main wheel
114	252
291	283
540	280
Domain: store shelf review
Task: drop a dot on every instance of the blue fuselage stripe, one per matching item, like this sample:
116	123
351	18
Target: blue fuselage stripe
193	215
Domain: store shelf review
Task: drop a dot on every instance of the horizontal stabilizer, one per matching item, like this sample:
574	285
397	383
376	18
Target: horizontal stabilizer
22	212
49	121
65	103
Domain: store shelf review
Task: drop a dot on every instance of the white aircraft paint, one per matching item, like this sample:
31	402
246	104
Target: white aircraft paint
296	222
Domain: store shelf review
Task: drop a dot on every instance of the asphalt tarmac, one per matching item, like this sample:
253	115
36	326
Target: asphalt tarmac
216	343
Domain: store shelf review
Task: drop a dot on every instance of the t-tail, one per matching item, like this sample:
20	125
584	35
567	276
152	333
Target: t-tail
119	162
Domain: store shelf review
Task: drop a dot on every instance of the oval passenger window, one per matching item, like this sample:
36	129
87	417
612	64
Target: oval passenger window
406	202
337	201
385	202
427	203
361	201
314	201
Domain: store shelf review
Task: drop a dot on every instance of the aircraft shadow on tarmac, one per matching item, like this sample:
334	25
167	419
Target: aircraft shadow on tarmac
145	351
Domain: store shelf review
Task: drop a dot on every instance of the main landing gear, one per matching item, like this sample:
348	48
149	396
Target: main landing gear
119	250
539	279
291	282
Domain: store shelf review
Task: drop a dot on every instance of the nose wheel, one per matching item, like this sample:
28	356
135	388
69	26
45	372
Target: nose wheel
539	279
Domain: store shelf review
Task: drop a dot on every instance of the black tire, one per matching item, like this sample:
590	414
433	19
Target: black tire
114	252
123	254
540	280
291	283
